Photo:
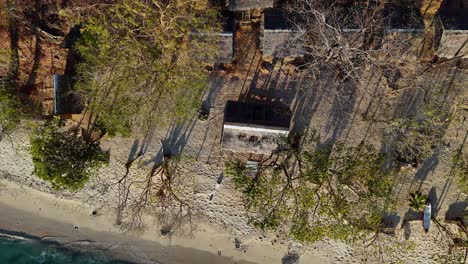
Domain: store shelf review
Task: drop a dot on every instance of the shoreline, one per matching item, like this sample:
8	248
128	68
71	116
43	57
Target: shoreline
24	210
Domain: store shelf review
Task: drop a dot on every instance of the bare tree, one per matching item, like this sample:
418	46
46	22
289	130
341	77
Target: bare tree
157	192
349	41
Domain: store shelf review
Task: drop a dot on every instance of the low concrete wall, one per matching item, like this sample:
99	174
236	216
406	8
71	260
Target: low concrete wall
453	43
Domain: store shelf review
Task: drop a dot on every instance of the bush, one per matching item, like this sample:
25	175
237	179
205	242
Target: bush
416	137
62	158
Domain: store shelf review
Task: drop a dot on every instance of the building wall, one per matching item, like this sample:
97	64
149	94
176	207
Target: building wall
453	43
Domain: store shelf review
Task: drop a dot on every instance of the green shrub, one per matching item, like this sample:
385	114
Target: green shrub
62	158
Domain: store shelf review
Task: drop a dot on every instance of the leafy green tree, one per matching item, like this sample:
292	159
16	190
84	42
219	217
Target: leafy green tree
142	67
335	191
417	201
63	158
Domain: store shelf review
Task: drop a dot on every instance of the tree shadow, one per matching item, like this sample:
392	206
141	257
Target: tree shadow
174	141
428	166
412	215
215	82
133	150
391	220
306	103
340	113
406	231
432	197
457	211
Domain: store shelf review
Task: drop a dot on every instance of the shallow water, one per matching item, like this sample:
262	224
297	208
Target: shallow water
18	250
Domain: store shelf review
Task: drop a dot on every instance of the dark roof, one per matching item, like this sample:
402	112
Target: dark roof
66	101
257	114
242	5
454	14
275	18
403	17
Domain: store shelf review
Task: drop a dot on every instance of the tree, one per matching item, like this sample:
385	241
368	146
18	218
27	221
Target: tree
416	136
159	192
142	67
345	42
335	191
417	201
63	158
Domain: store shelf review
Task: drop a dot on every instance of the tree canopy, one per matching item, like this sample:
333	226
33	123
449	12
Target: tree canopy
320	191
142	67
63	158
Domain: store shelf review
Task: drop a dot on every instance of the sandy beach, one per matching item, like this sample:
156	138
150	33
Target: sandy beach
45	216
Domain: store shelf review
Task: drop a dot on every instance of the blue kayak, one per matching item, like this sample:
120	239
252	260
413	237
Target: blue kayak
427	216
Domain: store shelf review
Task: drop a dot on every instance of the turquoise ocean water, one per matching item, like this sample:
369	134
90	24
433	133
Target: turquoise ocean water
18	250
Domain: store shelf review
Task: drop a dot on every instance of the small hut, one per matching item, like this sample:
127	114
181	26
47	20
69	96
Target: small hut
279	38
453	17
254	127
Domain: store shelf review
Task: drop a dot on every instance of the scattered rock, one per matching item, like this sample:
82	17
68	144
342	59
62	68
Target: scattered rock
166	230
290	258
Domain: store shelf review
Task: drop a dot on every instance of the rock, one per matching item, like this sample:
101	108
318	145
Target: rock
290	259
165	230
237	242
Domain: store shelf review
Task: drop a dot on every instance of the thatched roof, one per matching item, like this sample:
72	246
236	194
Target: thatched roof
243	5
454	14
224	39
279	37
254	127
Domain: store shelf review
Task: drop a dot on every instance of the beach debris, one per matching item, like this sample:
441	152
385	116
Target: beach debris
290	258
75	228
219	180
237	242
166	230
94	212
219	252
203	114
427	216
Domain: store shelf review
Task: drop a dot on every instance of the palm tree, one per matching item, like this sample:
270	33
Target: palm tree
417	201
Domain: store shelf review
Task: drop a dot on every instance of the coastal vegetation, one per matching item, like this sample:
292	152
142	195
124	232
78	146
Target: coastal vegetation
417	201
63	158
141	67
335	191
